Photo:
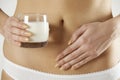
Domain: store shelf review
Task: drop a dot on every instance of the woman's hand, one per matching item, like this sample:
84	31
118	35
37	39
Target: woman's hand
15	31
86	44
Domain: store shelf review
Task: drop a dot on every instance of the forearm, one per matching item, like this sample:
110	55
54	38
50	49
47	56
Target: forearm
114	26
116	22
3	18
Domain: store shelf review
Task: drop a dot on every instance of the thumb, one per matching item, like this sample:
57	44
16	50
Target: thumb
76	35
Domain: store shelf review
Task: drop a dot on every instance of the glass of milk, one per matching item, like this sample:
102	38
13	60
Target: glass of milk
39	27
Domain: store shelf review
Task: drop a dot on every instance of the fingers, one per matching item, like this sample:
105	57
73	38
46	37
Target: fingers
81	63
68	50
20	32
16	23
74	61
15	42
15	31
70	57
9	39
77	34
93	46
19	38
82	40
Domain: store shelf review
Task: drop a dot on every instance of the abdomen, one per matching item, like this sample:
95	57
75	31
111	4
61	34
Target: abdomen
64	18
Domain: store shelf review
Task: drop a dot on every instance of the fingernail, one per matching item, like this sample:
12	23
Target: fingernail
28	34
72	68
19	44
26	39
69	42
62	68
57	59
25	26
57	66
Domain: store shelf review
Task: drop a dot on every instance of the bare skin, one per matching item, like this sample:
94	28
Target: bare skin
64	20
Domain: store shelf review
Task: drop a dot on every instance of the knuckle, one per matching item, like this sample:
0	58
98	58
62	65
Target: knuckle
76	66
16	38
72	62
85	25
66	65
15	43
10	19
86	47
13	37
17	31
14	18
84	61
13	30
94	54
22	32
62	55
70	48
62	62
22	39
69	64
18	25
74	35
14	23
72	55
83	40
89	47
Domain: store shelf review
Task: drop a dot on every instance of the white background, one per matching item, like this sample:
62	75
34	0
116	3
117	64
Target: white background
115	9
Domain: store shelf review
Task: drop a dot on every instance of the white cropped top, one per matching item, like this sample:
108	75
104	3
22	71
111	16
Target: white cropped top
8	6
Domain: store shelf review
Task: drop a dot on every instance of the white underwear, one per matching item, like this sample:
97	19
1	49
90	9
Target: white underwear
18	72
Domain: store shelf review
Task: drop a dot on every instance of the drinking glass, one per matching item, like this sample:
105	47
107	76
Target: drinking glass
39	27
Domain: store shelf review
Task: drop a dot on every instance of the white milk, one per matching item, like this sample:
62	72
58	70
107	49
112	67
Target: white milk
40	31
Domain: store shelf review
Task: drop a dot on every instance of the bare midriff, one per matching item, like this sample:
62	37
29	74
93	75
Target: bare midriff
64	17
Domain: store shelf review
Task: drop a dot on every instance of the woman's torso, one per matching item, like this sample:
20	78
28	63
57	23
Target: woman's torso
64	16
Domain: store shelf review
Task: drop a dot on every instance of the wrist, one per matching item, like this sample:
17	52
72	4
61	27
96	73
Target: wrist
2	31
3	18
113	27
115	22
